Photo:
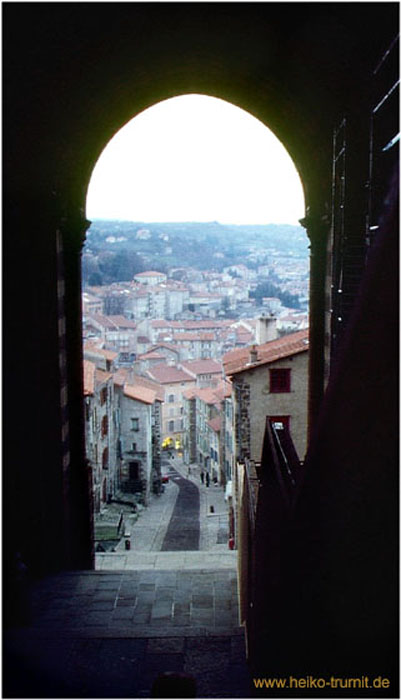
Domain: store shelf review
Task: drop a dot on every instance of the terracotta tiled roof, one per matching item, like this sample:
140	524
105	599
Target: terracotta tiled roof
149	384
189	393
207	395
102	320
89	378
196	367
161	323
167	346
102	376
120	377
140	393
164	374
215	424
239	360
95	350
123	322
152	356
126	376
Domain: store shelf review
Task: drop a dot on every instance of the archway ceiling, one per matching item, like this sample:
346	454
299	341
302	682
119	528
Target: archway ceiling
82	70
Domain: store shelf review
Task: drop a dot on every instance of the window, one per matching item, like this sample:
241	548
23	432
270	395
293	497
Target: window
105	458
171	426
103	396
171	398
280	381
134	423
105	426
280	422
134	446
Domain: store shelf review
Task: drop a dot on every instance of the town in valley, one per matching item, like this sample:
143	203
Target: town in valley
194	335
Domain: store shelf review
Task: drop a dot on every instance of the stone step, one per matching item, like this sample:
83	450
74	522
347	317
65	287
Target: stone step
137	560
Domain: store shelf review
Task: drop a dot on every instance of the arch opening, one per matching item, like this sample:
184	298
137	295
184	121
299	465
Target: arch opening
196	184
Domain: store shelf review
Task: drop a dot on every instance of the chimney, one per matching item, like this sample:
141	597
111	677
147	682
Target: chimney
253	355
265	329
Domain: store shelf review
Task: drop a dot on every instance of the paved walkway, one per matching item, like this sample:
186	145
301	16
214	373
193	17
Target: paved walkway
148	532
166	560
183	528
109	634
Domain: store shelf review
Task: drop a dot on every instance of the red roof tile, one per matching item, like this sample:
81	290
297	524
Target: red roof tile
93	349
239	360
164	374
215	424
140	393
123	322
202	367
89	378
151	356
101	376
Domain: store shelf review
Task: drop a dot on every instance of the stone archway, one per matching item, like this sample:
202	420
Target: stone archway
74	75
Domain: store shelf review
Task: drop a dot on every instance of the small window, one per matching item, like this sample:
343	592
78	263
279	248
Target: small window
280	422
103	396
171	398
171	426
134	423
105	426
280	381
105	458
134	446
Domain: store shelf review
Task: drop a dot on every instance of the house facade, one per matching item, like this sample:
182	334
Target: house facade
174	382
269	380
100	433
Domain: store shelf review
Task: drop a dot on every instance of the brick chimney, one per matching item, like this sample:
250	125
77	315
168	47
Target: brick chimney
265	329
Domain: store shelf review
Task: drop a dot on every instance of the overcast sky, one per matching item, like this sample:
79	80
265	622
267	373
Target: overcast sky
195	158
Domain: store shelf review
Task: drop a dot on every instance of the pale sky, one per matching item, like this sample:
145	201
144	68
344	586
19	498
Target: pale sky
195	158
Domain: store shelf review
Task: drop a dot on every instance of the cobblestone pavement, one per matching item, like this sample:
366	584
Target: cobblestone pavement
109	634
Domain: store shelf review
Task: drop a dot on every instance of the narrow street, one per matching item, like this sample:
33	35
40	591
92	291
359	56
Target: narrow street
186	517
184	528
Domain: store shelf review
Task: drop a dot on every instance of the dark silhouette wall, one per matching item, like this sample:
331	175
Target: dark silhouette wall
74	73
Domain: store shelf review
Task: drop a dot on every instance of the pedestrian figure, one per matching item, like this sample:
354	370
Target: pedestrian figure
189	471
202	475
207	479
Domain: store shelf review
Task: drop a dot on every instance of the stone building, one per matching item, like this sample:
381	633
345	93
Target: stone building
174	382
269	380
206	372
227	442
100	433
150	277
138	408
204	428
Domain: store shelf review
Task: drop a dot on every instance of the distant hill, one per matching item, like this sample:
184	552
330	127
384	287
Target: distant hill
115	250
